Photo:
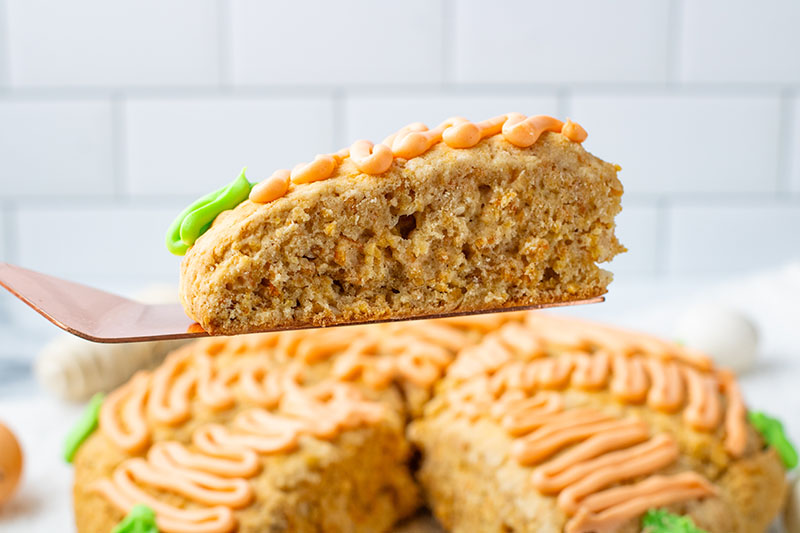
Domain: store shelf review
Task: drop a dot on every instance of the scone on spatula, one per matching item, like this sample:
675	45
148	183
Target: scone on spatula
468	217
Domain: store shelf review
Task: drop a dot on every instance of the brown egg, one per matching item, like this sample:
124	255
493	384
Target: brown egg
10	463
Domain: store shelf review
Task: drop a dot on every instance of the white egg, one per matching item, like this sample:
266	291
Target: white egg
725	334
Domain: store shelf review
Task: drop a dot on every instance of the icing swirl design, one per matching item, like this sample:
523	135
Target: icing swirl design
603	468
409	142
667	380
213	473
581	455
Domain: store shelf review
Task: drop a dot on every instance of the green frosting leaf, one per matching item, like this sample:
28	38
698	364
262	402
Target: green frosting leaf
772	431
141	519
84	427
662	521
197	218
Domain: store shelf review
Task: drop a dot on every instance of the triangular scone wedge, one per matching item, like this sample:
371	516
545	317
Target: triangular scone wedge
453	230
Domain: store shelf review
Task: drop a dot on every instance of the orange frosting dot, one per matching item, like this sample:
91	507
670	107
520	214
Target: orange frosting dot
574	131
414	140
319	169
371	159
464	135
271	188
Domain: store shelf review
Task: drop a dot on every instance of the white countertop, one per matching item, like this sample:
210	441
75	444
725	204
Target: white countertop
43	502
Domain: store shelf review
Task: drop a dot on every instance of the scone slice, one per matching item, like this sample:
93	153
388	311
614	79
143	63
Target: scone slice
449	231
220	439
551	424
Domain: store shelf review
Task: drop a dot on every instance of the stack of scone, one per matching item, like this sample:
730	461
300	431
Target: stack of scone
523	422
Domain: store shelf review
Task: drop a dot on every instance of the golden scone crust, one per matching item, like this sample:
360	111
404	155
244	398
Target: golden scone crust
352	476
471	471
452	230
322	486
490	403
471	484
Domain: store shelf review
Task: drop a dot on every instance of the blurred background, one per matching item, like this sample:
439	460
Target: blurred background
115	115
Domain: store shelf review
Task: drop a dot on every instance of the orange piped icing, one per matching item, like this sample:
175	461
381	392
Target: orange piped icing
603	467
413	141
371	158
703	410
605	511
666	385
558	474
629	383
122	491
122	415
580	455
591	371
523	132
735	414
574	131
271	188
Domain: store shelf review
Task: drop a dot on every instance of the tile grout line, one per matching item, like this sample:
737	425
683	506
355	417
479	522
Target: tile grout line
786	135
674	41
224	44
118	151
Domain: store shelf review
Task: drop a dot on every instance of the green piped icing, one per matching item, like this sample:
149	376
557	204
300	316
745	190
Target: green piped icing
141	519
84	427
772	431
197	218
662	521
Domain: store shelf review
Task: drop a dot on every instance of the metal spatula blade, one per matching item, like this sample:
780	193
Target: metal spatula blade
101	316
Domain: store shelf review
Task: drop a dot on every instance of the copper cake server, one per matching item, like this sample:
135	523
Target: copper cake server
101	316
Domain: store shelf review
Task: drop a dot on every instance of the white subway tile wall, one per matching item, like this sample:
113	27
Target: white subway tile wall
375	116
95	243
344	42
193	145
113	115
684	143
113	44
556	42
739	237
740	41
638	231
56	147
3	46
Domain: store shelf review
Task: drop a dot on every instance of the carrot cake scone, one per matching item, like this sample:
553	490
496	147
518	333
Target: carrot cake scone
551	425
468	216
232	435
522	422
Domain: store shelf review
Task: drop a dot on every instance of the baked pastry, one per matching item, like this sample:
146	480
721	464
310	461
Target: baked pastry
522	422
552	424
504	213
289	432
